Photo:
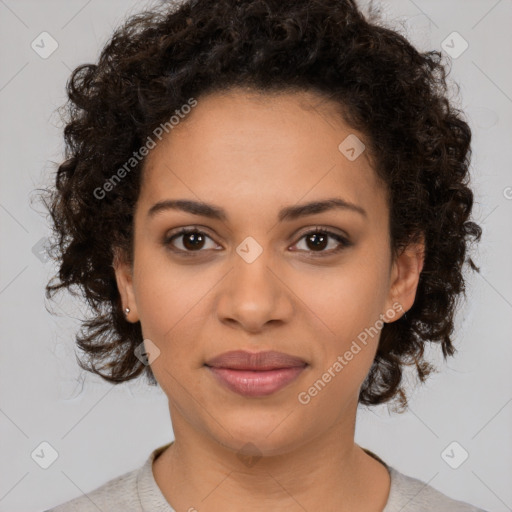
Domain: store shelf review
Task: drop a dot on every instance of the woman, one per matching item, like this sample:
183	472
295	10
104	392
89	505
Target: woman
267	204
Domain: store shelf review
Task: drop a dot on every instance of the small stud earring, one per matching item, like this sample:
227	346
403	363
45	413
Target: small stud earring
126	311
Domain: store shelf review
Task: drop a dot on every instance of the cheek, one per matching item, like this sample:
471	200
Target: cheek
164	292
346	300
348	304
165	300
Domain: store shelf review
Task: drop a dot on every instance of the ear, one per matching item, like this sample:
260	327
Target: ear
405	275
124	278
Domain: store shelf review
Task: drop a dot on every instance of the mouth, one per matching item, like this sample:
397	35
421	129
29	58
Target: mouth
255	374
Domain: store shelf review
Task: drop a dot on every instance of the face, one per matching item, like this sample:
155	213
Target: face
264	274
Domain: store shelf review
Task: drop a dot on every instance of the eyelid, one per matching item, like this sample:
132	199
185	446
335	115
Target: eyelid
176	233
324	229
342	238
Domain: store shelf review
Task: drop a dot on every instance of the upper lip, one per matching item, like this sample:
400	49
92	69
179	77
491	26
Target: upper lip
243	360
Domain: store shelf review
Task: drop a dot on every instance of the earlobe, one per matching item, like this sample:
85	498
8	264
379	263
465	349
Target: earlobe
124	278
405	277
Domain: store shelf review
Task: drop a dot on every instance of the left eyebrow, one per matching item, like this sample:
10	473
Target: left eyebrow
288	213
302	210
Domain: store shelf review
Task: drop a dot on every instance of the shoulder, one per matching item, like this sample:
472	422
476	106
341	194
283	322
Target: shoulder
120	491
409	494
134	491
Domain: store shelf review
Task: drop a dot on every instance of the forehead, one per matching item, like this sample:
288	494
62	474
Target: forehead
253	149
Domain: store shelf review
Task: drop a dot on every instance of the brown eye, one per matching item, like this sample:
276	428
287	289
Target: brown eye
192	240
317	241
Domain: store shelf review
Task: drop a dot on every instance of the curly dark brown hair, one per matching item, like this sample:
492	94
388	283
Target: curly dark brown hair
389	91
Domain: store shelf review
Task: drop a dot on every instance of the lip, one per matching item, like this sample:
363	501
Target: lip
256	361
255	374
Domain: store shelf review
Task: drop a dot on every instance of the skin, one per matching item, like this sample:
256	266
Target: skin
253	154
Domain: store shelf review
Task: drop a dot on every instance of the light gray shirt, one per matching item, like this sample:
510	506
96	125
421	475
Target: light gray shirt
137	491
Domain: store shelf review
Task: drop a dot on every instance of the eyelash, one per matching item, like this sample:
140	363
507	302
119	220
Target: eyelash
344	243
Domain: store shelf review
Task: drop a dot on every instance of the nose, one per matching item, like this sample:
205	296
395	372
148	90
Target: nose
254	294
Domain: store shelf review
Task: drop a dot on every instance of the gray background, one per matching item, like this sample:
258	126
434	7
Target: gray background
101	431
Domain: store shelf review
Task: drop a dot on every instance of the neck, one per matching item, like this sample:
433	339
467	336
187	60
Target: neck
329	472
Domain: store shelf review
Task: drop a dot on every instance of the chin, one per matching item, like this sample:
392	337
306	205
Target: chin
261	439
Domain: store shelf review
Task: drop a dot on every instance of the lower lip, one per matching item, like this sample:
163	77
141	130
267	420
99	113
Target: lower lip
256	383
